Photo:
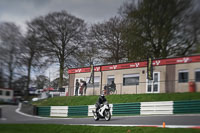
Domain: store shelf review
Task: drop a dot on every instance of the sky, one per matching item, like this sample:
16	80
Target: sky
92	11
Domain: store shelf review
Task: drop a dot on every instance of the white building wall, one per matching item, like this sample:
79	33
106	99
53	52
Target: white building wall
5	97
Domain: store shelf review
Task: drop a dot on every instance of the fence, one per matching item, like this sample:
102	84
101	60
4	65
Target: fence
170	86
44	111
149	108
78	111
126	109
181	107
140	108
59	111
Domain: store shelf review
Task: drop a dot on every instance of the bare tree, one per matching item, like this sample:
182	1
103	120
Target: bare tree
41	82
31	55
55	83
61	34
107	38
20	84
11	39
160	28
89	53
1	76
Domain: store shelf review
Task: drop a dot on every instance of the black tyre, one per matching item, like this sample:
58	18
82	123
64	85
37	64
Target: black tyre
96	118
107	115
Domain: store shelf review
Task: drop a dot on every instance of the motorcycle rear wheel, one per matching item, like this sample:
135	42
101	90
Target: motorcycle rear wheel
96	118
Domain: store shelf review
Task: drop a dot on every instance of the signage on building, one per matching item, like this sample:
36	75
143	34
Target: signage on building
149	68
159	62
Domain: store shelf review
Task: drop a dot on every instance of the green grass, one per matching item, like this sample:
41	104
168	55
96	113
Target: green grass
128	98
50	128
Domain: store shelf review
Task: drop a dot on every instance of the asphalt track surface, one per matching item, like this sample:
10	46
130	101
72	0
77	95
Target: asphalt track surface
11	115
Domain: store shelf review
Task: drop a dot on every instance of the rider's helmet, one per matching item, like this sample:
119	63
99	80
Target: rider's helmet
102	96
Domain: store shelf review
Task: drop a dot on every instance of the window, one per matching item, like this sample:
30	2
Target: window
197	75
153	86
96	82
183	76
1	92
110	78
131	79
7	93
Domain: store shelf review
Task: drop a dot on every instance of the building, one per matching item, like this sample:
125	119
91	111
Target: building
6	95
181	74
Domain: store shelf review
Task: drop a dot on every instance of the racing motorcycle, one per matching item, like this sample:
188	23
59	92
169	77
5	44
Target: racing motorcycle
103	112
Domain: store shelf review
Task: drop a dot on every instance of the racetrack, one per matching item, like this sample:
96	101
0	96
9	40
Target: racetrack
9	115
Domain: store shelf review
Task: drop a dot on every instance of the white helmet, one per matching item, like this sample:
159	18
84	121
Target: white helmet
102	95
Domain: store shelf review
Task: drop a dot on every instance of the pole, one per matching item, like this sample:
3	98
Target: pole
136	88
49	78
0	112
92	75
101	81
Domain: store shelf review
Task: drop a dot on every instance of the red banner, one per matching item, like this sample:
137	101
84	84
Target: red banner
158	62
83	70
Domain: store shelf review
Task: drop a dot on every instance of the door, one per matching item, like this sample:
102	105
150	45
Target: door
153	86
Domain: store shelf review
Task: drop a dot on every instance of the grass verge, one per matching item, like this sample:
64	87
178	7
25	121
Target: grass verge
51	128
90	100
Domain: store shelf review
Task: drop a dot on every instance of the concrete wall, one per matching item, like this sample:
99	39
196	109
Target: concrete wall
191	67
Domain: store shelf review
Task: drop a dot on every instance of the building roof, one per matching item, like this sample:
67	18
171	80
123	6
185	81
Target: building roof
6	89
156	62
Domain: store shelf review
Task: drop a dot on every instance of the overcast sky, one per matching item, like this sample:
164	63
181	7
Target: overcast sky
92	11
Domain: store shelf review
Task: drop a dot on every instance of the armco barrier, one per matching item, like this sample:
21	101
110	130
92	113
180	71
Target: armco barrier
190	106
90	108
143	108
61	111
77	110
126	109
149	108
43	111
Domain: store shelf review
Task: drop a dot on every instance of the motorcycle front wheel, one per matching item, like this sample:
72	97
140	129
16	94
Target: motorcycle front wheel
107	115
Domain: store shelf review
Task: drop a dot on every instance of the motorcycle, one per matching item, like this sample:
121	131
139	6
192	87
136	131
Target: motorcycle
109	90
103	112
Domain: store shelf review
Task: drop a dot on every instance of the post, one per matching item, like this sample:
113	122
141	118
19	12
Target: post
0	112
101	79
93	89
92	75
136	88
120	89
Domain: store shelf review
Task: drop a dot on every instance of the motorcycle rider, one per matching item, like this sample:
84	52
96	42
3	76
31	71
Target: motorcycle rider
100	101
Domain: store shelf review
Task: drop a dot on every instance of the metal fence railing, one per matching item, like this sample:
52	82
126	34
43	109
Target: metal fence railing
170	86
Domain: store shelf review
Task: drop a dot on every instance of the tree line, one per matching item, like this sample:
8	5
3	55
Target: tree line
158	28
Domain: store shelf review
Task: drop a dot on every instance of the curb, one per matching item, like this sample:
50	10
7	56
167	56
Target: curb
159	126
21	113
